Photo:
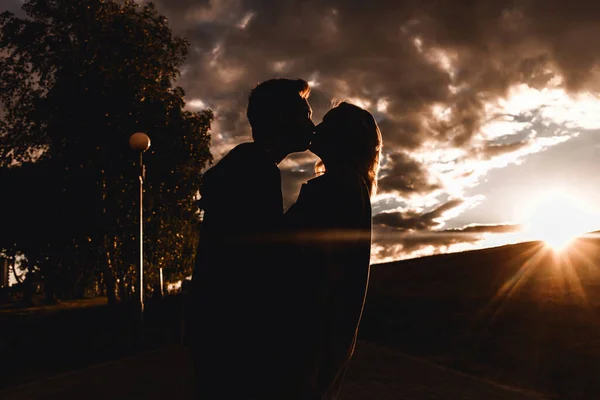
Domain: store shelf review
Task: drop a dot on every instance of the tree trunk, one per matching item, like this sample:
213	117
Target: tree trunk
109	277
109	280
50	286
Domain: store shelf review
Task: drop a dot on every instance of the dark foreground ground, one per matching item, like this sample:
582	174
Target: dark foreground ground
519	316
43	341
377	373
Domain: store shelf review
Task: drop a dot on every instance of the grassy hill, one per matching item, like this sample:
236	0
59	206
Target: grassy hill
519	314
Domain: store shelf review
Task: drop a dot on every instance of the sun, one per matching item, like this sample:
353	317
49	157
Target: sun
559	242
558	218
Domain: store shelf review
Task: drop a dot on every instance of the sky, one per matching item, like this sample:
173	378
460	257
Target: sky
488	108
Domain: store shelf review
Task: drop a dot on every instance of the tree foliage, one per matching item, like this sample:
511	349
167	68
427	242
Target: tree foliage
77	78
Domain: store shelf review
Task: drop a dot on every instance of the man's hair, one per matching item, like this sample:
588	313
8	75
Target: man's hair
268	103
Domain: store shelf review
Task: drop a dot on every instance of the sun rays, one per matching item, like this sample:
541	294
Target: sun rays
547	276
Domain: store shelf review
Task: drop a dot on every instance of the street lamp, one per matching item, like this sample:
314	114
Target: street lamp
139	141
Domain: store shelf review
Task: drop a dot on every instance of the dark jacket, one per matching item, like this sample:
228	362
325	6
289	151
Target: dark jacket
331	226
231	322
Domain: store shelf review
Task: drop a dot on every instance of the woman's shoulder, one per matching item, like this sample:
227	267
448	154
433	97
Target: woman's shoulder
324	185
332	199
333	186
338	180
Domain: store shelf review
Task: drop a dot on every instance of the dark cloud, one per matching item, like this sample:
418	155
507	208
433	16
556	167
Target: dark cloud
412	54
495	150
308	39
402	233
501	228
394	243
408	53
412	220
405	176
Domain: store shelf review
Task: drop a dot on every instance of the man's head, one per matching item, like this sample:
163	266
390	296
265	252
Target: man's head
280	116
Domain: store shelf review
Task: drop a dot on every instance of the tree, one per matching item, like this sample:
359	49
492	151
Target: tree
77	78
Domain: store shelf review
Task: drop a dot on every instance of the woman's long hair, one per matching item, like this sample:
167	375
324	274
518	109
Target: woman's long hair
357	141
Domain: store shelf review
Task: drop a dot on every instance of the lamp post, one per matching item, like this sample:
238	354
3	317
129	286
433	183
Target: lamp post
141	142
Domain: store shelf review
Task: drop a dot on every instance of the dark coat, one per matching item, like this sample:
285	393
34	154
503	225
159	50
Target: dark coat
231	323
331	227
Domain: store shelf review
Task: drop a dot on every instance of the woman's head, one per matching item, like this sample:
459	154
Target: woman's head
349	137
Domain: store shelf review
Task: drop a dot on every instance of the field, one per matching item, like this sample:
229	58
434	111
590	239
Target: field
521	315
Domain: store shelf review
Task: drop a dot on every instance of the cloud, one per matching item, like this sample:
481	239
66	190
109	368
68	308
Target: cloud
458	88
410	55
404	175
411	232
392	244
495	150
412	220
501	228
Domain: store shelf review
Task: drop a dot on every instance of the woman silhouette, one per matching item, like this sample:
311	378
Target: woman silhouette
331	227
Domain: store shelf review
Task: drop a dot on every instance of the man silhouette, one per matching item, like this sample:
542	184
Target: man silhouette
236	340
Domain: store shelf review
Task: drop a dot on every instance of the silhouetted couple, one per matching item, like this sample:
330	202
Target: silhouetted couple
278	298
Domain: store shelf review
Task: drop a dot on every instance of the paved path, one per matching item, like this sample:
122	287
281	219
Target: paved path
376	373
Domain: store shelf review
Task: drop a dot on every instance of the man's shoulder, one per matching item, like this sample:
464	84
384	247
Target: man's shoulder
250	152
244	169
243	158
242	149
